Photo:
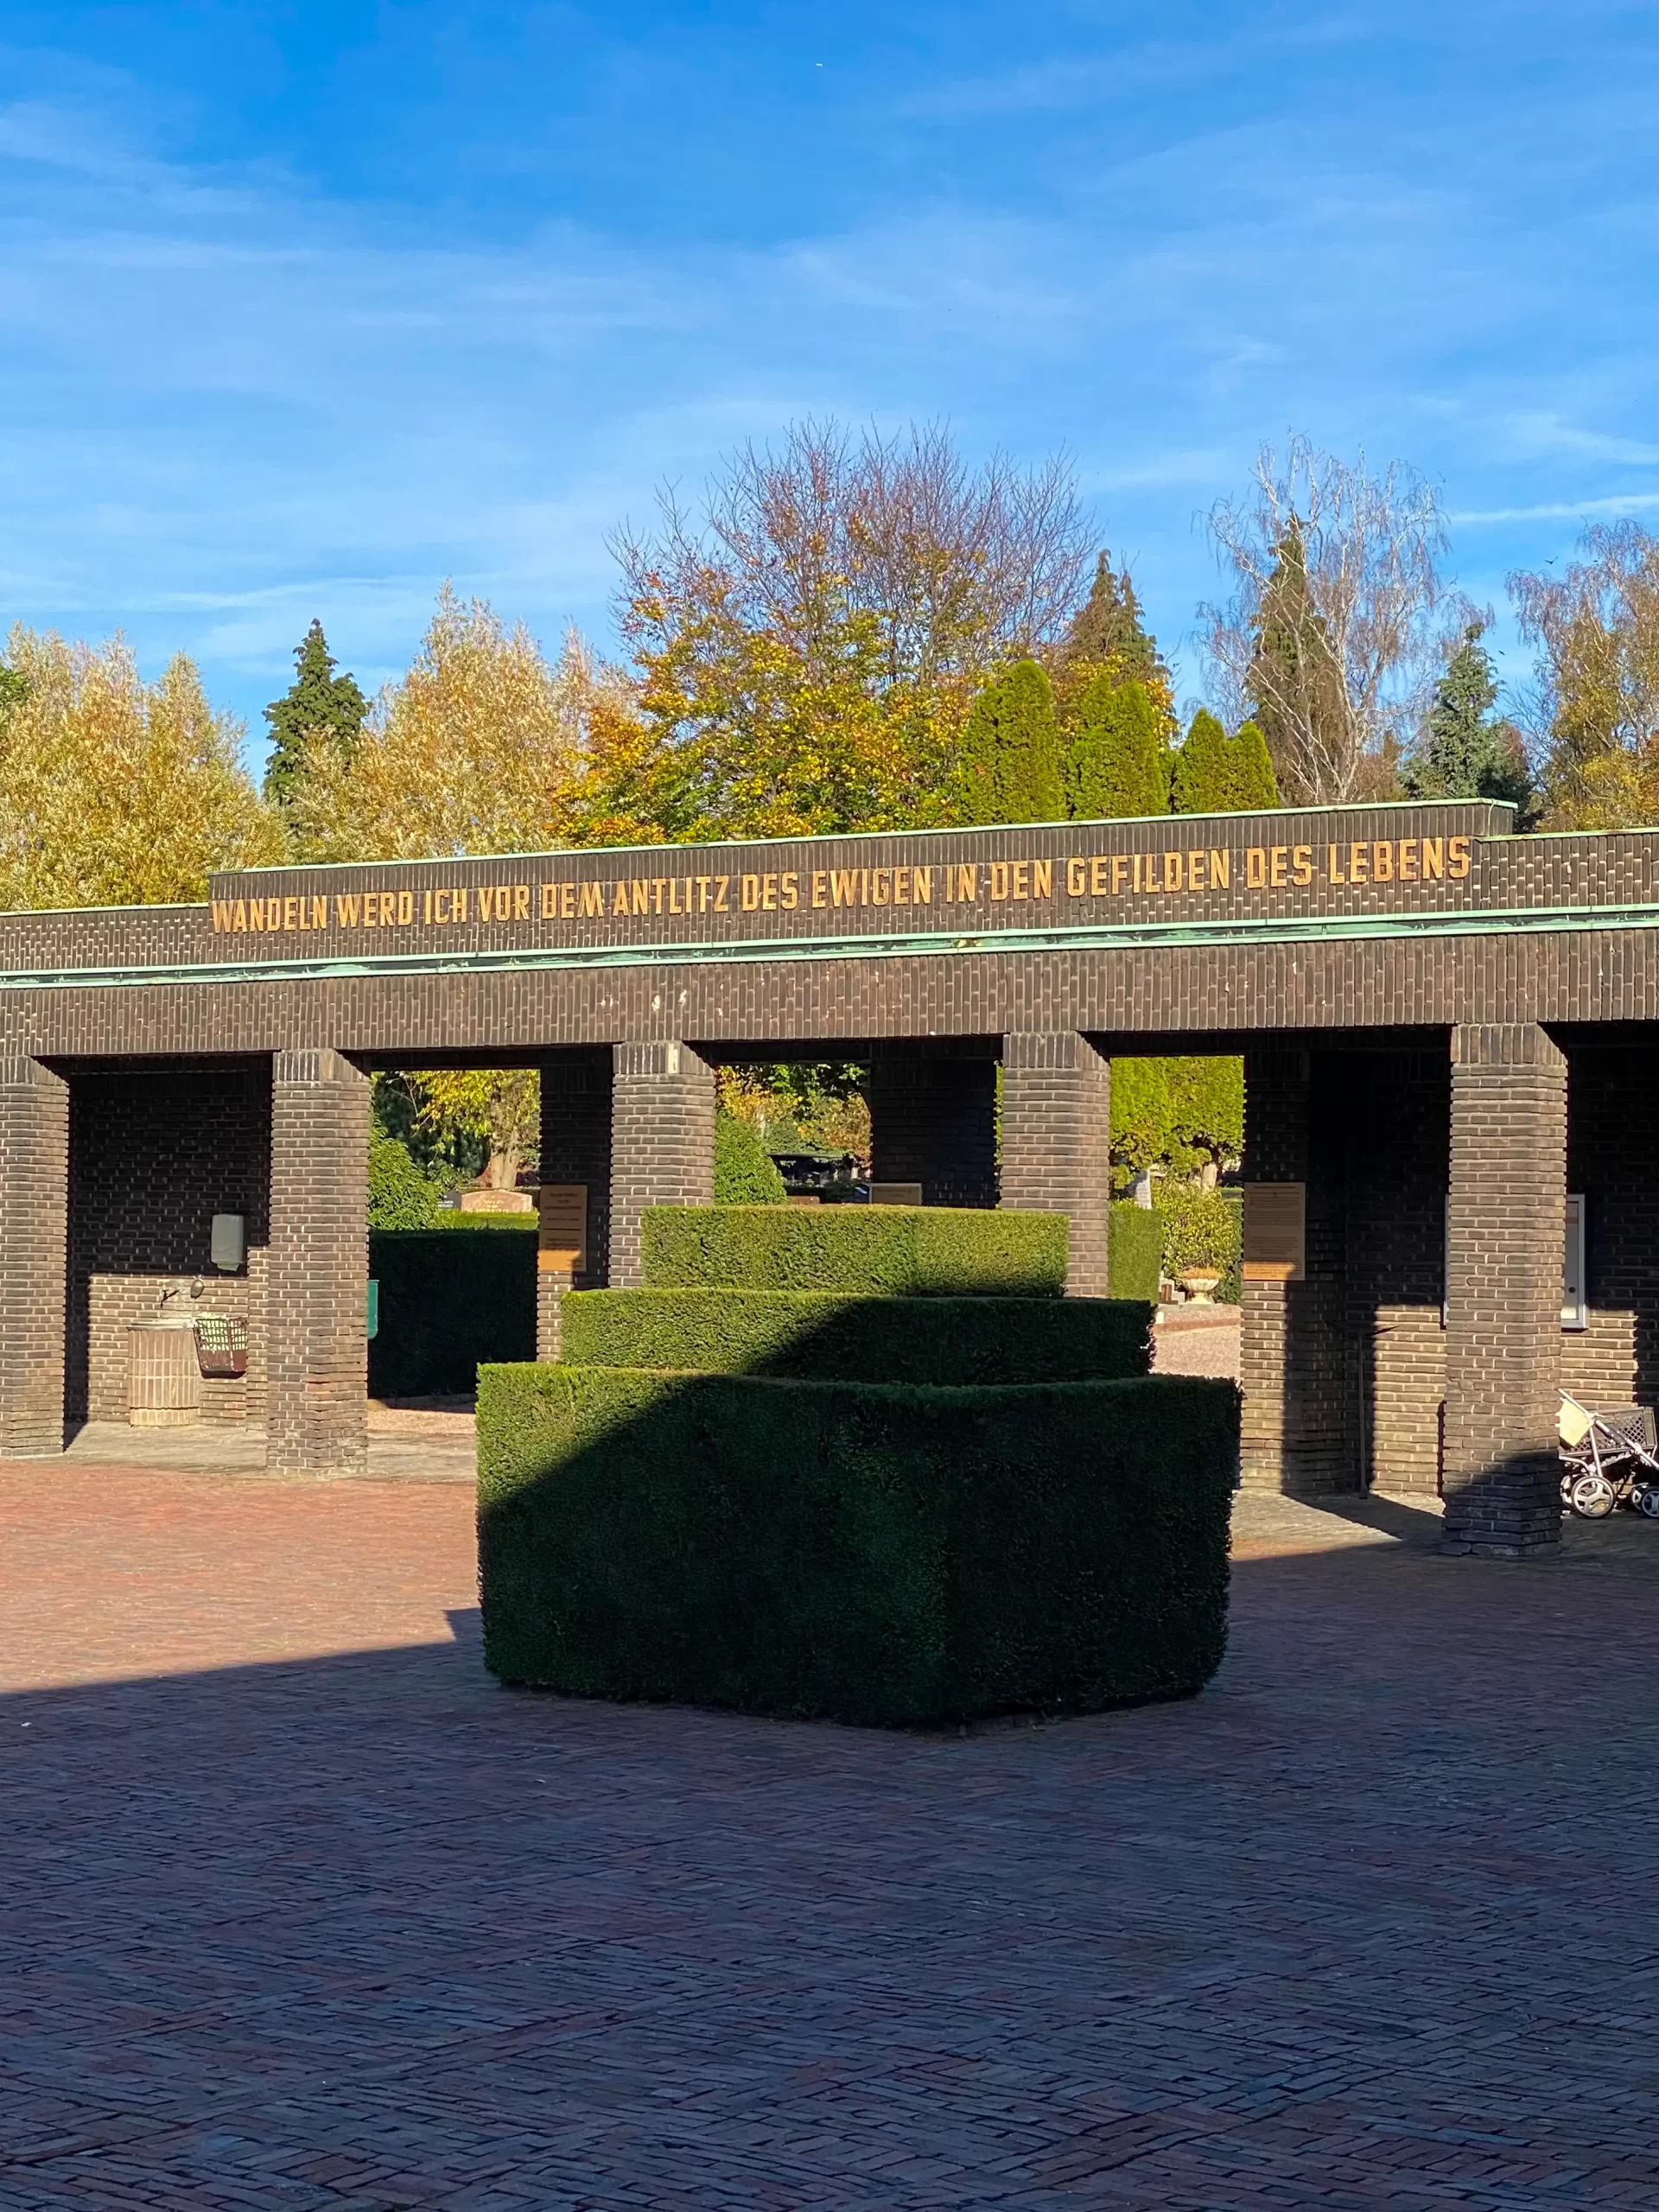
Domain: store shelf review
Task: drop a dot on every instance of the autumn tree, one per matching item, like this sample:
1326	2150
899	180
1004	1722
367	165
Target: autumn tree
114	791
1009	762
317	706
499	1107
809	643
1597	627
1116	761
481	747
1334	623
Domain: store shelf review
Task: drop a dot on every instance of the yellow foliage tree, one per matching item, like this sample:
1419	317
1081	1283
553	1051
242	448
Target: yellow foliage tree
500	1105
482	747
114	791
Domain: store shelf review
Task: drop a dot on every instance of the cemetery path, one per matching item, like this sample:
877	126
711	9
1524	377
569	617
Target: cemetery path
301	1912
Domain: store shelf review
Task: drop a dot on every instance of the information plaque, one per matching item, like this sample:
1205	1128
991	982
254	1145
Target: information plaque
561	1241
1275	1232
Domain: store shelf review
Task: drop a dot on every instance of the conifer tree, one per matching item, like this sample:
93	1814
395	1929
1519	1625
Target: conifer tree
1253	782
1202	779
1293	687
1010	757
316	701
1116	763
1467	752
1108	628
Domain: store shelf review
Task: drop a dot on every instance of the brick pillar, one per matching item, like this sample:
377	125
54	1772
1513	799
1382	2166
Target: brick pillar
1057	1101
34	1256
576	1148
1295	1435
933	1119
317	1274
1505	1227
662	1142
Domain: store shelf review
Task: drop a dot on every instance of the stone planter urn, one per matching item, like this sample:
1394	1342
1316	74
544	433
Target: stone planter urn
1200	1285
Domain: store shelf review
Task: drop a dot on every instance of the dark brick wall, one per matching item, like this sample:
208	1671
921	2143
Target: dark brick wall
577	1115
154	1153
1057	1099
34	1237
933	1118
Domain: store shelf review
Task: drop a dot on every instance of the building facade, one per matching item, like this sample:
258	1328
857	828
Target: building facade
1446	1029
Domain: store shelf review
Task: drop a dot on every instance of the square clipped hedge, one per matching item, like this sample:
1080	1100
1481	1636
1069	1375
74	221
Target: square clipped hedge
831	1336
447	1303
1134	1251
853	1551
882	1252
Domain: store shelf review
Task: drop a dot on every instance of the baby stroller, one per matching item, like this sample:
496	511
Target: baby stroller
1607	1458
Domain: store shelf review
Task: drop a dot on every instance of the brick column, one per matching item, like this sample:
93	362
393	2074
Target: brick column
317	1285
1057	1101
1295	1435
34	1256
933	1119
1505	1228
576	1148
662	1142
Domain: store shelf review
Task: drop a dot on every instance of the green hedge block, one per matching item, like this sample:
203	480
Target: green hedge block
858	1552
884	1251
827	1336
1134	1251
447	1303
453	1217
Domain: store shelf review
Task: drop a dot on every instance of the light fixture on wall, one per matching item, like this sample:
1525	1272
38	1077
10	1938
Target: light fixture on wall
228	1246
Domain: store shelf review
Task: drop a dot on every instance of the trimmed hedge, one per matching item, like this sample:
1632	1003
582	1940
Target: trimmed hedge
448	1302
883	1251
827	1336
1134	1251
912	1555
453	1217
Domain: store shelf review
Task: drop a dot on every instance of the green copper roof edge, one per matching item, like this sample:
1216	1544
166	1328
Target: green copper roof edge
1132	937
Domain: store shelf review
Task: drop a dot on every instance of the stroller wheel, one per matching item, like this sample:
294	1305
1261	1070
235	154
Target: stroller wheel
1594	1496
1647	1501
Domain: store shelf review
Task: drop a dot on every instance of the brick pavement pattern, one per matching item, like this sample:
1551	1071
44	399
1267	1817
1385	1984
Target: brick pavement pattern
301	1911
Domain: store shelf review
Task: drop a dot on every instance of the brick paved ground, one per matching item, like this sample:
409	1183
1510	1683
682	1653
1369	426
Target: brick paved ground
338	1924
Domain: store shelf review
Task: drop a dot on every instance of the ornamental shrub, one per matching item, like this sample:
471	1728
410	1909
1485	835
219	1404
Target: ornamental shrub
855	1551
885	1251
827	1336
400	1196
1201	1229
745	1173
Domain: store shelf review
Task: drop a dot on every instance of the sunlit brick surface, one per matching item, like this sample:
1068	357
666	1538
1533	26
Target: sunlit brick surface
332	1921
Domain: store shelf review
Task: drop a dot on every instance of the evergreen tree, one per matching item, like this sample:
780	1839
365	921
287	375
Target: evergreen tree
1202	781
14	690
1253	783
1010	758
1466	752
1117	763
316	699
1107	629
1293	687
746	1175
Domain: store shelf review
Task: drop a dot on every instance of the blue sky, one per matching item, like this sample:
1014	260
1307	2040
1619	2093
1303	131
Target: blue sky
305	307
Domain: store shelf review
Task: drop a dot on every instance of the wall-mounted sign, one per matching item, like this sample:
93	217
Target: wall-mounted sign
1275	1232
561	1242
895	1194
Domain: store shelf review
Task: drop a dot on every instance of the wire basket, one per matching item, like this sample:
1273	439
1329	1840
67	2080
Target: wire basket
221	1344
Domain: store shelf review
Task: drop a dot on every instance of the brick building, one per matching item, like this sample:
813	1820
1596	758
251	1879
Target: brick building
1448	1031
